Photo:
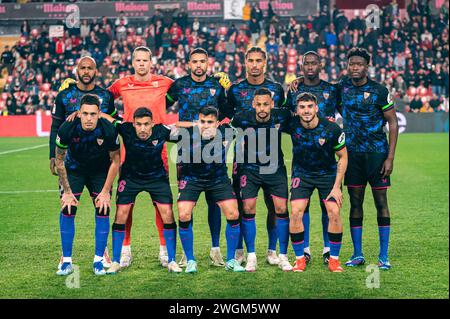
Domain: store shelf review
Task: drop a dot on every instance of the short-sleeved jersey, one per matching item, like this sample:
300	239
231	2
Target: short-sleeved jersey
88	151
204	160
362	113
192	96
143	158
314	149
136	94
68	101
258	143
326	94
240	96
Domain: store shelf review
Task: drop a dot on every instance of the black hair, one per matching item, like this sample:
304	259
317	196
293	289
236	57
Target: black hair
142	112
90	99
306	96
310	53
198	51
256	49
209	110
361	52
263	91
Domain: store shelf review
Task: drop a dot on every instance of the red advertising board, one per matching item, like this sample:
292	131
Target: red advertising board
25	125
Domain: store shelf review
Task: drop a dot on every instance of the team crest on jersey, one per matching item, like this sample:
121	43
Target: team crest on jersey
130	85
100	141
155	142
326	95
321	141
366	95
225	144
212	91
155	84
277	126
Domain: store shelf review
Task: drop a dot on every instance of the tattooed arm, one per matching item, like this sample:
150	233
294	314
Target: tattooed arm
67	199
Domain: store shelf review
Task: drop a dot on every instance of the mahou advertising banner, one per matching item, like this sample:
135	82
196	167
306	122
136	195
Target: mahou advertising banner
86	10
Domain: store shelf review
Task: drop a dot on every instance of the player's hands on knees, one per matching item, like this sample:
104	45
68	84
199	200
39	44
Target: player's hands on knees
336	193
388	167
72	116
68	200
224	80
293	86
103	202
53	166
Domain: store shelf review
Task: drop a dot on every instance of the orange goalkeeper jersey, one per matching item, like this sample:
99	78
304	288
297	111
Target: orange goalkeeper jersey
150	94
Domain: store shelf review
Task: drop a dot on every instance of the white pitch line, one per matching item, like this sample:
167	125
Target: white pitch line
23	149
30	191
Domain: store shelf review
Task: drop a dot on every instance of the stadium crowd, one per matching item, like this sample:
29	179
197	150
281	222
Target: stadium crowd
409	55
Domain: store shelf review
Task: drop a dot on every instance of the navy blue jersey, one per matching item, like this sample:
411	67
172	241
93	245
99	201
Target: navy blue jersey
201	159
68	101
143	158
257	143
240	96
192	96
88	151
362	113
314	149
327	98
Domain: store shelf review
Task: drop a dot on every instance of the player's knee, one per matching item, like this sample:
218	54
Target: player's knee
184	215
296	216
233	215
334	216
73	211
250	207
280	209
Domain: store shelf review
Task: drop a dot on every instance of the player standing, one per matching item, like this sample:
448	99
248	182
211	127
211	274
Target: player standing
264	168
143	170
327	99
240	97
87	154
67	103
366	107
315	142
143	89
193	92
204	169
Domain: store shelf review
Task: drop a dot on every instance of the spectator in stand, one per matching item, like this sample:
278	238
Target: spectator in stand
416	104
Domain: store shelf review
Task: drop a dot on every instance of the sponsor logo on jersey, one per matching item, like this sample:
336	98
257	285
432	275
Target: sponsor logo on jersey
243	94
99	141
74	100
130	85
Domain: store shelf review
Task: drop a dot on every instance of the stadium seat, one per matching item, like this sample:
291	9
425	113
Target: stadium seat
292	53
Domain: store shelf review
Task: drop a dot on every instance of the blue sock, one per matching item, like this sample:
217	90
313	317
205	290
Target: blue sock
118	235
214	221
272	231
248	230
283	232
101	232
298	243
306	222
356	228
187	239
384	229
240	243
232	234
67	231
326	241
335	244
170	235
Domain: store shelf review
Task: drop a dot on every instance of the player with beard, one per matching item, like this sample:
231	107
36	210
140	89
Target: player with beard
240	98
327	101
67	104
193	92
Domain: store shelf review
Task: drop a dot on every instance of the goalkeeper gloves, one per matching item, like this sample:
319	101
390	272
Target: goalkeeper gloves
224	80
66	84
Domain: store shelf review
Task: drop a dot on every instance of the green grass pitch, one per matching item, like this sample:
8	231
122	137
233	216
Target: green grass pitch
30	243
